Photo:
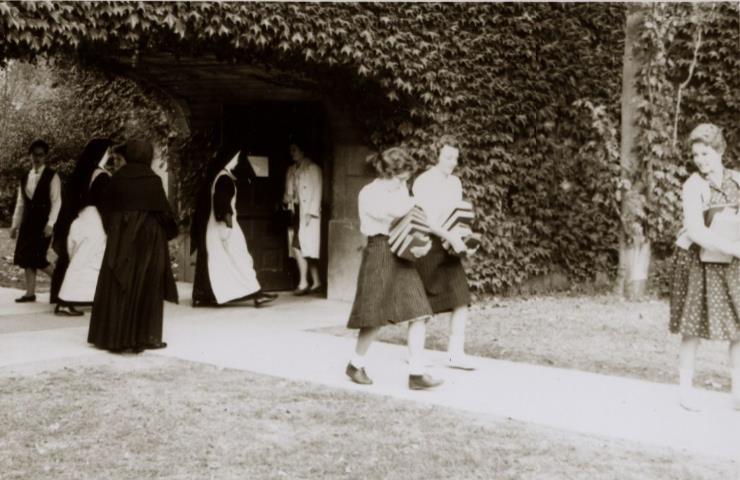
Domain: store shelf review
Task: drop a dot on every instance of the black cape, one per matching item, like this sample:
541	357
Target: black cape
136	274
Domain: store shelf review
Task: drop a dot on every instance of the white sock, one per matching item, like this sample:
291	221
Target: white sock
358	361
736	388
416	365
685	382
456	346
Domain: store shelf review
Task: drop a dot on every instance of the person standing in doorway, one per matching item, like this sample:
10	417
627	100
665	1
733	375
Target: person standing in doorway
438	192
389	290
705	290
303	199
37	207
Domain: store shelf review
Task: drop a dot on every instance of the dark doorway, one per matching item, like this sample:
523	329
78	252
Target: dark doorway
263	129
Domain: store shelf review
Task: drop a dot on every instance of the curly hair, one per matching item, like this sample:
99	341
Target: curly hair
391	162
448	140
709	135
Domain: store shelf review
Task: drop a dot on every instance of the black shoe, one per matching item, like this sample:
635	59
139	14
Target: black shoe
299	292
264	298
316	290
422	382
155	346
203	303
67	311
26	299
358	375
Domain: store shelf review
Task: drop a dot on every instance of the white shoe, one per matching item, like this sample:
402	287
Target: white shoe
461	362
689	402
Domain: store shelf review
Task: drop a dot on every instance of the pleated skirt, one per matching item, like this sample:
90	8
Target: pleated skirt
389	289
705	297
444	279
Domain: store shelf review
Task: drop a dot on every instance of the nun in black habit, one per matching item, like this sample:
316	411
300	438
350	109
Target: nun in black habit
224	270
84	188
136	275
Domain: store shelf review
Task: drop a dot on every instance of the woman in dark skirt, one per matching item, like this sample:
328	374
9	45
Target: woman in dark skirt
136	275
438	192
705	294
389	289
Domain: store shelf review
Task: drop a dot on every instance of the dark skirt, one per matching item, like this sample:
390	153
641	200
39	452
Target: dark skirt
705	297
135	279
389	289
31	246
444	279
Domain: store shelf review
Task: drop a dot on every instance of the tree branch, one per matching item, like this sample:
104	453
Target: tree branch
685	83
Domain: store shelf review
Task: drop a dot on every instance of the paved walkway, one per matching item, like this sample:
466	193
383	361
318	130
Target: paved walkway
275	341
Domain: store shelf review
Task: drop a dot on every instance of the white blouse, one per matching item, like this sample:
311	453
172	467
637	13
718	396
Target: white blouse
379	203
695	198
437	194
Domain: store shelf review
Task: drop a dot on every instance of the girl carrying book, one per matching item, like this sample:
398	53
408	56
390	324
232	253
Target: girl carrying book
705	293
389	289
438	192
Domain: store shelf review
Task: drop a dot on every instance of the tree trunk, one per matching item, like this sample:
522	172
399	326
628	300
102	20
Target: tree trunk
634	253
636	264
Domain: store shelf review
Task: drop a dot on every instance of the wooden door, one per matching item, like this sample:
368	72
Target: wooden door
264	129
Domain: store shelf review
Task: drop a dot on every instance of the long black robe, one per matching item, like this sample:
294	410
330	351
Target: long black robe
223	192
136	275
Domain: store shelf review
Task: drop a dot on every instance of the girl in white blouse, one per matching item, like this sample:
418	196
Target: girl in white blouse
438	192
705	294
389	289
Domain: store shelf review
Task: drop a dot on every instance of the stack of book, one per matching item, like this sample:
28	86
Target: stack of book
723	221
460	220
408	232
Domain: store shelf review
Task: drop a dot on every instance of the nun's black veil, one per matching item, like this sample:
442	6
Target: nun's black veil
77	185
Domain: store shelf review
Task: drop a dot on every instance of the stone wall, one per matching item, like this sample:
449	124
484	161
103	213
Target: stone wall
350	174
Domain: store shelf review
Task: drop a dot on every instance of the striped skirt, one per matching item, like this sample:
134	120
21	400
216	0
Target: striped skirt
389	289
444	279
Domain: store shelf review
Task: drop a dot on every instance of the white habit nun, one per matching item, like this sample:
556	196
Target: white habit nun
86	239
230	267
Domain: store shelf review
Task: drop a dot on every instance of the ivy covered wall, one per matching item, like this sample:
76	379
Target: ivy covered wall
531	90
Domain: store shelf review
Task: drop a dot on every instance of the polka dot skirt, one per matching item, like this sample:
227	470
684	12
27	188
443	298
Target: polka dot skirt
705	297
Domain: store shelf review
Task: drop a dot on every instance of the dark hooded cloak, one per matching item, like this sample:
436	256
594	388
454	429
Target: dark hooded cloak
136	274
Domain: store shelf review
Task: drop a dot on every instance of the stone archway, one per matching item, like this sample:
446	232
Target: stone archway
199	89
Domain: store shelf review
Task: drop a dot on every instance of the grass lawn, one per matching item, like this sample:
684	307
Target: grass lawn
150	417
599	334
